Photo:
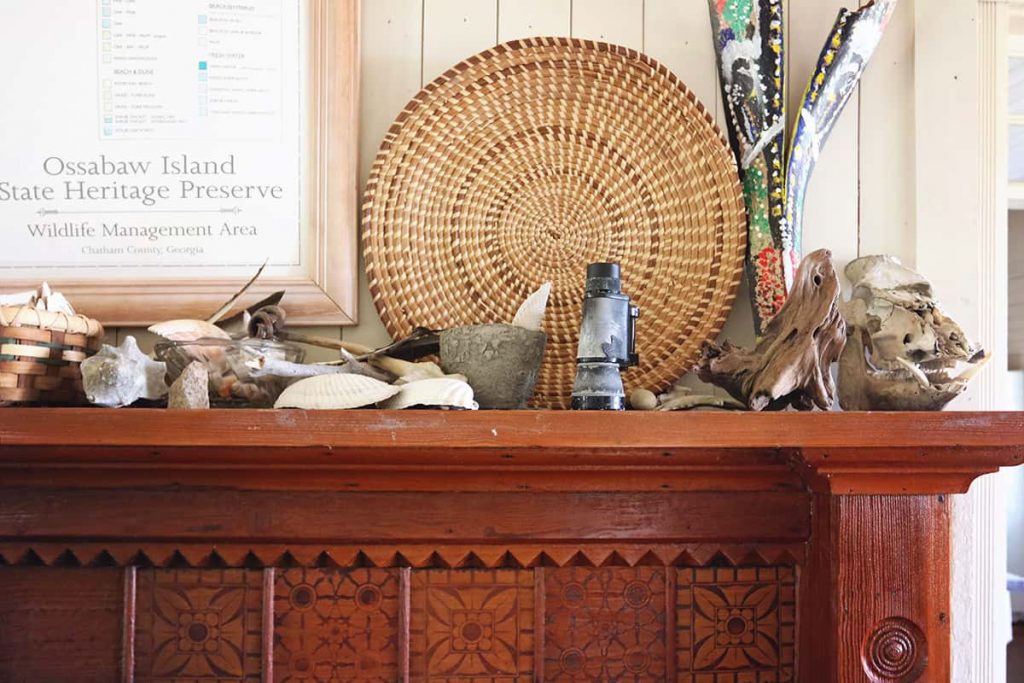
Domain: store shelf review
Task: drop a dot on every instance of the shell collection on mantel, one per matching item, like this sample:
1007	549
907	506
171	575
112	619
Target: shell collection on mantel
896	350
252	359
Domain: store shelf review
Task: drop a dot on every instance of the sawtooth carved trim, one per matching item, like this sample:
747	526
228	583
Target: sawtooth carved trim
417	557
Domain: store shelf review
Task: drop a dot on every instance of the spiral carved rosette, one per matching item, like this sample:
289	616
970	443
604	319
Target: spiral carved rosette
895	651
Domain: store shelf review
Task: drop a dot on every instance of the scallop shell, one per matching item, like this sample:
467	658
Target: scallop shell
438	391
531	312
188	330
335	392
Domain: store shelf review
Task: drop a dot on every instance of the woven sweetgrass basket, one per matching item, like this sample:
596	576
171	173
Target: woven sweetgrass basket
40	354
534	158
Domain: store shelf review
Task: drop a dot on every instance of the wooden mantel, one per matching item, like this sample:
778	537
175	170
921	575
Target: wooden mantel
146	545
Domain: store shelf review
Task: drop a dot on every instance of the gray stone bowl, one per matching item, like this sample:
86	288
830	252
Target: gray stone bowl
501	362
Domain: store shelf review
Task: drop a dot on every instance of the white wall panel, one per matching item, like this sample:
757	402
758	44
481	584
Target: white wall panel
526	18
678	34
454	30
887	141
612	21
392	32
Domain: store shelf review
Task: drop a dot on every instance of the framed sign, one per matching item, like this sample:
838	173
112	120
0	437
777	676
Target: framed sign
157	153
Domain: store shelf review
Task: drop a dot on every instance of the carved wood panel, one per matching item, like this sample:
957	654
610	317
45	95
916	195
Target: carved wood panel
332	625
736	625
60	624
472	625
197	625
641	624
605	624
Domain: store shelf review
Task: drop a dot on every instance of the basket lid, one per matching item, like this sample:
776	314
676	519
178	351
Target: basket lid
54	321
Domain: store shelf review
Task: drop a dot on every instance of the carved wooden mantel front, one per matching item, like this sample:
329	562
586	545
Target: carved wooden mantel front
143	545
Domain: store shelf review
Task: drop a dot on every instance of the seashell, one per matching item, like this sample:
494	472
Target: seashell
443	392
188	330
335	392
119	376
531	312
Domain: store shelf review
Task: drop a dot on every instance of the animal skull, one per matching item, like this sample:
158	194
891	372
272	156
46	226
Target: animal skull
902	352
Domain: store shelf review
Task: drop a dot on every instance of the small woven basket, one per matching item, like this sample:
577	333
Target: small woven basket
40	354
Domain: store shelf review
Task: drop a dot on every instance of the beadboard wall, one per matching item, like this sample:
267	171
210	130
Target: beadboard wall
862	196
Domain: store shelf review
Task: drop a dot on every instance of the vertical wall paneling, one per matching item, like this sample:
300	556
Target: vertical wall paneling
526	18
960	247
831	211
864	192
454	30
611	21
678	34
887	142
392	44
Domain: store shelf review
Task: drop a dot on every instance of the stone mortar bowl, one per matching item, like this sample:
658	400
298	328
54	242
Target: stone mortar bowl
500	361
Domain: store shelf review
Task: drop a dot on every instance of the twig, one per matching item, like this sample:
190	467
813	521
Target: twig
324	342
231	302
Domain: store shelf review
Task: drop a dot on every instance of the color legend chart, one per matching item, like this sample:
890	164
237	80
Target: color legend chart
191	69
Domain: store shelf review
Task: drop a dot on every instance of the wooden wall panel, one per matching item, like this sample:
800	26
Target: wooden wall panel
886	618
60	624
611	21
526	18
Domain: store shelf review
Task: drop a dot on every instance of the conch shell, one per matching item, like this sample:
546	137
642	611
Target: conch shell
443	392
188	330
335	392
119	376
903	352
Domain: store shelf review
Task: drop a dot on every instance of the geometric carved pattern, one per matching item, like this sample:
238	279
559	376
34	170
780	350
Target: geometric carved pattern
604	624
332	625
472	625
198	625
895	651
736	625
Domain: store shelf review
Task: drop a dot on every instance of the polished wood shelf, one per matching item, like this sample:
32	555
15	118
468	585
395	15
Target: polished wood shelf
853	453
810	547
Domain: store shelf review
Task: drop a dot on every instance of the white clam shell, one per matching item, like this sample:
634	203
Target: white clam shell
188	330
531	312
438	391
335	392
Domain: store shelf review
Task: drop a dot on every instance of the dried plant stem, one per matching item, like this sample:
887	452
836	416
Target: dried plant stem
324	342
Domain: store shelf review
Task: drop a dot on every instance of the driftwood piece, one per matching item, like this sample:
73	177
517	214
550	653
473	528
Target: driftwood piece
791	364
